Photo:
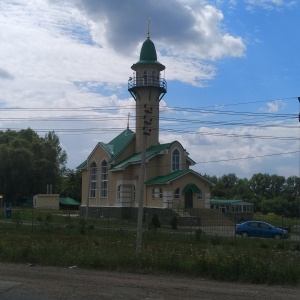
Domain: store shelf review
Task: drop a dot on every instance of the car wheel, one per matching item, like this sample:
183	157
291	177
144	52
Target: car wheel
244	234
277	237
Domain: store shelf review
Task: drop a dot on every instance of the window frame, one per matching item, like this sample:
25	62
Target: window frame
104	179
93	180
145	78
175	160
199	196
157	193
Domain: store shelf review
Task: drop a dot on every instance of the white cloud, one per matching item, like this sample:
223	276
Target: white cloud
273	107
269	4
234	152
72	54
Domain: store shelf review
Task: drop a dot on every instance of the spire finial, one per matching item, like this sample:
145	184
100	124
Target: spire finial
148	34
128	121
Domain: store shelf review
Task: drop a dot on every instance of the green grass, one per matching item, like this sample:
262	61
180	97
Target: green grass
55	239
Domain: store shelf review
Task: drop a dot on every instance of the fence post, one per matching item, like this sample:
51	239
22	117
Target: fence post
234	229
69	222
108	222
32	217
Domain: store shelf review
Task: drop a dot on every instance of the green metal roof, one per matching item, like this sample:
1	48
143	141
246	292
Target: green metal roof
148	55
167	178
174	175
82	165
68	201
148	52
119	143
115	146
136	158
191	186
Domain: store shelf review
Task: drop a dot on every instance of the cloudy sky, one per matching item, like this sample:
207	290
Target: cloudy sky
232	68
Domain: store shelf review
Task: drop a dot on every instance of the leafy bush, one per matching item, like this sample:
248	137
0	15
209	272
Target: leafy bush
155	223
174	223
199	234
16	217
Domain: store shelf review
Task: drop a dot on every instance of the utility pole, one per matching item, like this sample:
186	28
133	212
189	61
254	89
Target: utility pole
146	131
88	191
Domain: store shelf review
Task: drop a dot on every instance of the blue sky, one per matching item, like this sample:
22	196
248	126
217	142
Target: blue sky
231	66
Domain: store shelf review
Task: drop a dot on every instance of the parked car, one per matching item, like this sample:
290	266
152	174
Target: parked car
260	229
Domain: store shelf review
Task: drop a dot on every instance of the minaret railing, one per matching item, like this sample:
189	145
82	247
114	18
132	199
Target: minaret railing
147	81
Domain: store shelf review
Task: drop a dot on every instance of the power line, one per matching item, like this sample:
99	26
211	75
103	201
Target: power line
248	157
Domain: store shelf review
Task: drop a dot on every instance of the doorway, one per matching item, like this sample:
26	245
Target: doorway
188	198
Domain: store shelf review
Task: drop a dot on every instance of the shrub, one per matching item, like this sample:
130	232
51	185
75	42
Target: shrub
83	225
155	223
174	223
199	234
17	218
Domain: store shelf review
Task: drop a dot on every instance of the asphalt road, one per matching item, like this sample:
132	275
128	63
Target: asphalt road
24	282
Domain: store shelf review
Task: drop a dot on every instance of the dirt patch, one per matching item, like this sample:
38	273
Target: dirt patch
38	282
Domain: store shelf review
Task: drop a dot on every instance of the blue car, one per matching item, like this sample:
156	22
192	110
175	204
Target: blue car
260	229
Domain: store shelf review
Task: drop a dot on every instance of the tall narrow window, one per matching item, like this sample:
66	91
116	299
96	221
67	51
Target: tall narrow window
175	160
177	193
93	179
154	78
104	179
145	78
133	192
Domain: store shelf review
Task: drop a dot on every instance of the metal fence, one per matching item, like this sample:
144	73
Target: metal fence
208	223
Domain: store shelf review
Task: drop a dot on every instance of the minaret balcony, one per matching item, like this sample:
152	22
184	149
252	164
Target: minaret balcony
147	81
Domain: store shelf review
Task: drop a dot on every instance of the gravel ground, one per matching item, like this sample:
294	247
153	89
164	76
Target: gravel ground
25	282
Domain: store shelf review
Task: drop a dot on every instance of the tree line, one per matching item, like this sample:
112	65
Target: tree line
269	193
28	163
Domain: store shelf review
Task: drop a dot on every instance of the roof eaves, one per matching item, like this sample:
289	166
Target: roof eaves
82	166
167	179
206	180
136	158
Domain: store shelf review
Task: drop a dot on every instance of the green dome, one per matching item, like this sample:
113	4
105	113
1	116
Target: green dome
148	52
148	55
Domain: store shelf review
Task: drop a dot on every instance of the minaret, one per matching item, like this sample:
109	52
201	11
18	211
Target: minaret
147	87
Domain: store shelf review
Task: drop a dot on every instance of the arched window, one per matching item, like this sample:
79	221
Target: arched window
175	160
145	77
176	193
157	193
93	179
154	78
104	179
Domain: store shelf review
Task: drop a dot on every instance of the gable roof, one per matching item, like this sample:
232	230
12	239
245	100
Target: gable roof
68	201
119	143
136	158
114	147
166	179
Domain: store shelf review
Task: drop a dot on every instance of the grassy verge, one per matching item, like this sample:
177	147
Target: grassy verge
164	251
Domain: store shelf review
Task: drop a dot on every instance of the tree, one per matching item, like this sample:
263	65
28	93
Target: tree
29	162
268	193
71	186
